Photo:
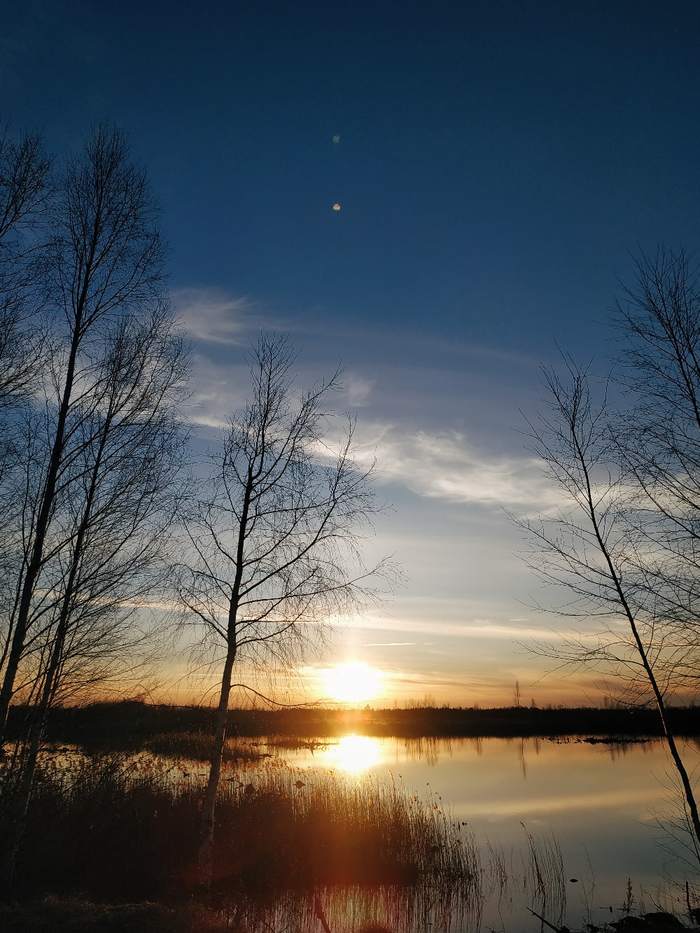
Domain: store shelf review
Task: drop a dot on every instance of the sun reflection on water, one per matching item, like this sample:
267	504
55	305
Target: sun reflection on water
353	754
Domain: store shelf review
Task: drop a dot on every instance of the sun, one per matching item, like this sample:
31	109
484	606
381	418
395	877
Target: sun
352	682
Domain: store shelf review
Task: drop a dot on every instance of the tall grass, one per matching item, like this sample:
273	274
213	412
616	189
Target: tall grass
544	873
114	830
108	828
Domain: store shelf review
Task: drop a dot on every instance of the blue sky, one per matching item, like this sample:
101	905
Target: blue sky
498	165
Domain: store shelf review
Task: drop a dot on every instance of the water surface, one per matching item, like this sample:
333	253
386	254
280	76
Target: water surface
595	819
608	807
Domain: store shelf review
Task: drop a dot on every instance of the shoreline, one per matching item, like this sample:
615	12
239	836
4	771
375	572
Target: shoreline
133	721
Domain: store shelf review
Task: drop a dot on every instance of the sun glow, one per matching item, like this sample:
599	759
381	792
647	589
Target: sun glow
352	682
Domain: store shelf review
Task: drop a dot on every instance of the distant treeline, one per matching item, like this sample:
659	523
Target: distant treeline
130	722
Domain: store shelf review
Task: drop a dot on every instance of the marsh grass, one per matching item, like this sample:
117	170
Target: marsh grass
109	827
109	830
543	870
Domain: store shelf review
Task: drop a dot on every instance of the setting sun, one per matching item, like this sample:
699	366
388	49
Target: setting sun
352	682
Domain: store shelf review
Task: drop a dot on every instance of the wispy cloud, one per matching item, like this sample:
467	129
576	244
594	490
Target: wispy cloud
213	315
216	393
465	627
389	644
446	465
357	388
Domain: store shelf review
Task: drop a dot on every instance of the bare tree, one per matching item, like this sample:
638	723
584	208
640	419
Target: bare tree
274	540
125	491
116	530
659	440
23	199
104	264
592	550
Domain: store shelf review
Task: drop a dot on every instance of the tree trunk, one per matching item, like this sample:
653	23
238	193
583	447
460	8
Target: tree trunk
672	747
42	525
20	804
49	490
21	800
643	654
28	767
206	851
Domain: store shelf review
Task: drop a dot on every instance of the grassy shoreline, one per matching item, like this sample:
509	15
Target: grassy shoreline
112	840
129	829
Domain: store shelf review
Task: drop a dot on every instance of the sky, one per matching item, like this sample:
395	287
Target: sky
498	165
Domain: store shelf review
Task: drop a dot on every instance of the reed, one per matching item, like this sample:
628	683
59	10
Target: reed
115	827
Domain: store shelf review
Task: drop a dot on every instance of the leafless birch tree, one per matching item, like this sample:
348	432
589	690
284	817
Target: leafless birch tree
96	482
103	265
659	439
274	540
23	201
593	550
111	543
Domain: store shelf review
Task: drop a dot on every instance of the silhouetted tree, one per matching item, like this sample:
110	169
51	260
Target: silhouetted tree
115	523
593	550
274	538
103	265
23	201
659	443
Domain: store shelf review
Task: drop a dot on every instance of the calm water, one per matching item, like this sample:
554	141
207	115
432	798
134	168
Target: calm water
601	814
607	806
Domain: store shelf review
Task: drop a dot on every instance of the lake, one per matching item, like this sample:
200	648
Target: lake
578	830
605	807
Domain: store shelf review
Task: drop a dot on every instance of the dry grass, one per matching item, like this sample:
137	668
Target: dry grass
114	828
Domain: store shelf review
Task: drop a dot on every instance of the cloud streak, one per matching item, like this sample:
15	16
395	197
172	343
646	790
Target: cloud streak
462	628
212	315
446	465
